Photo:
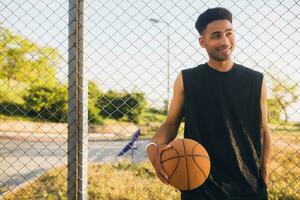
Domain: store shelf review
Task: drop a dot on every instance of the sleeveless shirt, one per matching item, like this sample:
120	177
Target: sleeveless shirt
222	112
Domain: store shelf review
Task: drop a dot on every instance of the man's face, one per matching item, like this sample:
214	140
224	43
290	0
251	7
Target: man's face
218	39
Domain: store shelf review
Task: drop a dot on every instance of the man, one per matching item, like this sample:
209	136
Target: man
224	105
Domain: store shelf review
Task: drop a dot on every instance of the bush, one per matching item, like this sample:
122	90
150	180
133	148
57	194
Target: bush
119	105
50	103
93	111
94	91
94	114
150	118
11	109
11	91
111	105
136	103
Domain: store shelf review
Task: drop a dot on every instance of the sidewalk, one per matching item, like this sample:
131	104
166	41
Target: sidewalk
57	137
48	131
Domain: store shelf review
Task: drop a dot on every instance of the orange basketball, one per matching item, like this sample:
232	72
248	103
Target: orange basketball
187	164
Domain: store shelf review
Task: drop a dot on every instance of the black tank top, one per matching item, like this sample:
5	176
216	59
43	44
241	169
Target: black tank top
222	112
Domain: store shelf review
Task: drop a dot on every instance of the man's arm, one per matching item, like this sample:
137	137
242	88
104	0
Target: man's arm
168	130
266	134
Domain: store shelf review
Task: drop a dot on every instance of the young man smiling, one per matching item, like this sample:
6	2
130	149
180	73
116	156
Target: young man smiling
224	105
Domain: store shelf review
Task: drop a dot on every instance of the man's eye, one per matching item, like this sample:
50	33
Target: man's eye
229	34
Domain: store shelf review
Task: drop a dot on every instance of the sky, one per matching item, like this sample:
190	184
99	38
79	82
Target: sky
125	51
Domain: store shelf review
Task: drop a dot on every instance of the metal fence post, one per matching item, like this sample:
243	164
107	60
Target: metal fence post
77	102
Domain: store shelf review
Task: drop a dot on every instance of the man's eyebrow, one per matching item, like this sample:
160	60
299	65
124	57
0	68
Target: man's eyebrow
216	32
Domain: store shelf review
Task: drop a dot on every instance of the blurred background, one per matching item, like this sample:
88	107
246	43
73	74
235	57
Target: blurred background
132	53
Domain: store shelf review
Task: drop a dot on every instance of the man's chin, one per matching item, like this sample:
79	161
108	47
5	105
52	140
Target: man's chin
223	58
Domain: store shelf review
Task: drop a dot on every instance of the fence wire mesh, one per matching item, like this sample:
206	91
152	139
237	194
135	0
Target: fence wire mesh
132	53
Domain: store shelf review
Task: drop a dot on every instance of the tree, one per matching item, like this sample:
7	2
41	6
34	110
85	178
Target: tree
274	110
284	93
122	105
165	108
93	111
23	60
47	102
136	104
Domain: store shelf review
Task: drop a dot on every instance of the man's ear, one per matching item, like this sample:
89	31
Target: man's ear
201	41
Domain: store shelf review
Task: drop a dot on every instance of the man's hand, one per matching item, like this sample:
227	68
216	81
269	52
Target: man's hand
265	173
154	152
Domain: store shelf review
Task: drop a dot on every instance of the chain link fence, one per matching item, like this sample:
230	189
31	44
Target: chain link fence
116	78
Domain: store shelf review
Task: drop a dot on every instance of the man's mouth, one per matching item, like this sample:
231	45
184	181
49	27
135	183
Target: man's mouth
224	50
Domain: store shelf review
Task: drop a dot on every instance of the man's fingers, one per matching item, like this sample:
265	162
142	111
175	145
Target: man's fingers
160	168
267	179
160	172
166	147
161	177
265	175
163	173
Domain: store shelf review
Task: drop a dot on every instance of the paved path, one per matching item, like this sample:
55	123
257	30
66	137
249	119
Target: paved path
21	161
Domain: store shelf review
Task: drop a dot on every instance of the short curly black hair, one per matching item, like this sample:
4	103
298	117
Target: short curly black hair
210	15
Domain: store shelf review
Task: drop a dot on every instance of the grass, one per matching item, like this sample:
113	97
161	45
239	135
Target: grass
122	181
14	118
126	181
147	118
285	173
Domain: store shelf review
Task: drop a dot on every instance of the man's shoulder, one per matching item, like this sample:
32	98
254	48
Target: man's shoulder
248	71
193	69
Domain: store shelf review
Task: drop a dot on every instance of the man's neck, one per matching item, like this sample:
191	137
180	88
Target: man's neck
222	66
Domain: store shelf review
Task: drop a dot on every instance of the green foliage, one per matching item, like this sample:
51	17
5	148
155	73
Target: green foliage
11	91
136	103
150	118
111	105
94	91
22	60
24	64
93	111
165	108
162	111
3	189
50	103
119	105
284	93
274	110
94	114
12	109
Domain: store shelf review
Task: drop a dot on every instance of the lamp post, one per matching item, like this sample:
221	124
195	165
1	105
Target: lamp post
168	56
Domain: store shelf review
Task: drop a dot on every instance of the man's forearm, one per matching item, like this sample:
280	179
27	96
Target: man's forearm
165	134
267	146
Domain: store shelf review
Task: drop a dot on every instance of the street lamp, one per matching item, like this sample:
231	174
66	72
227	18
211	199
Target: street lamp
168	56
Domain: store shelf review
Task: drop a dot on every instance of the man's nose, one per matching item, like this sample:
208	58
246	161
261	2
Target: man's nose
225	41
